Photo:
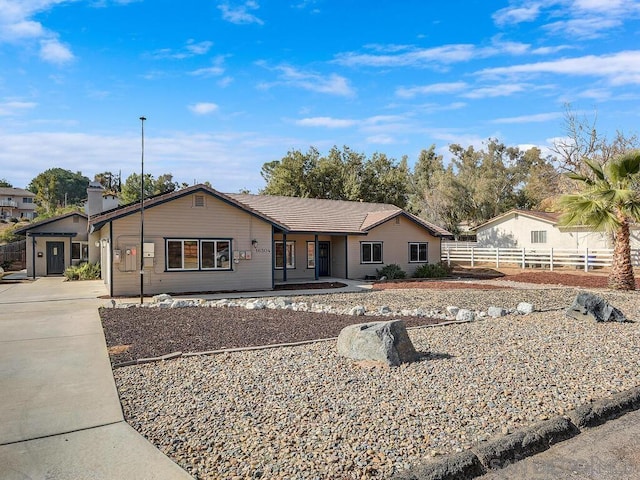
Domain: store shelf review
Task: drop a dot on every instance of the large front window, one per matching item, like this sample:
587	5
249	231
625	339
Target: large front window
371	252
204	254
419	252
291	255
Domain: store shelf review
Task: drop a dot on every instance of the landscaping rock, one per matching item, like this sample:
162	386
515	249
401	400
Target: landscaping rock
378	341
384	310
496	312
454	467
595	307
453	311
163	297
465	315
255	305
357	311
524	308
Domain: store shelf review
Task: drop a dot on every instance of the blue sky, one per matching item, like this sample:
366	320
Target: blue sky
229	85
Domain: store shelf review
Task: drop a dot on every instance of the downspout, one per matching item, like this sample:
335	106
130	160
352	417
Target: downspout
33	255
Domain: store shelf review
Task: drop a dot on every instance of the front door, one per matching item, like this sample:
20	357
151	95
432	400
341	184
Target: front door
55	258
323	259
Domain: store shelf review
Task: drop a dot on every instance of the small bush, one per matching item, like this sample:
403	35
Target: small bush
85	271
14	220
391	271
432	270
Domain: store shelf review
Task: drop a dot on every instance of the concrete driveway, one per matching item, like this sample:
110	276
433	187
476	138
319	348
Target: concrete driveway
60	415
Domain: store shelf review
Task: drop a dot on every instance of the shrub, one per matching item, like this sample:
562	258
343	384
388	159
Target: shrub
85	271
432	270
391	271
14	220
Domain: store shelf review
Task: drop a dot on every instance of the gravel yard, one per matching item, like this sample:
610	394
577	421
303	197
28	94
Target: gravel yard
303	412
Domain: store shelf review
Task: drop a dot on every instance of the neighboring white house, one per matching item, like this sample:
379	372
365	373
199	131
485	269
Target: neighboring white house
532	229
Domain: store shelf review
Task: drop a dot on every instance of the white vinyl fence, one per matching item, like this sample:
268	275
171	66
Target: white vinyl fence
533	258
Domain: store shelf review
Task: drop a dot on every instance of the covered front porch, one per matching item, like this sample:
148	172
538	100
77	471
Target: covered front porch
305	257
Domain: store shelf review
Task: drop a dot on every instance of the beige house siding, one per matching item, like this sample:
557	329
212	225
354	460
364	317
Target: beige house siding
64	225
515	231
181	219
395	235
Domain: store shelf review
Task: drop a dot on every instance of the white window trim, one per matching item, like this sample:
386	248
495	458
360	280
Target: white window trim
536	236
291	259
372	261
181	268
426	260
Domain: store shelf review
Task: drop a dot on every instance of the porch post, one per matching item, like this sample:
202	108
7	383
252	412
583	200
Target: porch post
315	256
284	257
346	256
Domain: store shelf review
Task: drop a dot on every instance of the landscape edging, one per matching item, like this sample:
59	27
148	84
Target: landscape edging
525	442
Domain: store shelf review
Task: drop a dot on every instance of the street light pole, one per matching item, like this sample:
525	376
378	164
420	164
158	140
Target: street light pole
142	119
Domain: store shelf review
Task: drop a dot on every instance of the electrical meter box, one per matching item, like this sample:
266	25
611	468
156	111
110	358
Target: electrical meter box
149	250
130	259
117	256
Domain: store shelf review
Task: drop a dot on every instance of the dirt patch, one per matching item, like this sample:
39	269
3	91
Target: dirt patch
159	331
583	280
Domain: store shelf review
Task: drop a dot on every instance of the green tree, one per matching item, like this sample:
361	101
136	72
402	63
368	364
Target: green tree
57	187
341	175
608	202
131	188
111	182
5	183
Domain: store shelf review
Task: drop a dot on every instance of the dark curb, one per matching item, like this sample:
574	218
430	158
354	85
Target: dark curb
525	442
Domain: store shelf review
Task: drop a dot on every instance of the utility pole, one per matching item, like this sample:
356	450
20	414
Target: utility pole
142	119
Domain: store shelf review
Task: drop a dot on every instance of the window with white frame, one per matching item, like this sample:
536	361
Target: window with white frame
418	252
370	252
538	236
291	254
198	254
80	251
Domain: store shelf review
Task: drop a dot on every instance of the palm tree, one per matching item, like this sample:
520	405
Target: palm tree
609	201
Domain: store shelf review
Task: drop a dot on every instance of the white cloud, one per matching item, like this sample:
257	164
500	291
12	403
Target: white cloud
203	108
214	70
229	161
434	88
381	139
190	49
409	57
240	14
18	27
571	18
533	118
332	84
503	90
326	122
14	107
620	68
52	51
511	15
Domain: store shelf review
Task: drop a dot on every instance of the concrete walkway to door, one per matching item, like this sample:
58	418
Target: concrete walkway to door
60	416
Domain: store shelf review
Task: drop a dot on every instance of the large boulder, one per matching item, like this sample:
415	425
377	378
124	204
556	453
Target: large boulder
386	342
595	307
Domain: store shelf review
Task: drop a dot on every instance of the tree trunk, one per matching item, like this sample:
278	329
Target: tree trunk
621	276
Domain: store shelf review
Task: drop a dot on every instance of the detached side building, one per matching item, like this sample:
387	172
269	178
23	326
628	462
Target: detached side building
198	240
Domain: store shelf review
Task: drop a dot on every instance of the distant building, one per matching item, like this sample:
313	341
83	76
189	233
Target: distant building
17	203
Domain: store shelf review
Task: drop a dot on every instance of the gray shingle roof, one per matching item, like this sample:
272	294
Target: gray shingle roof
16	192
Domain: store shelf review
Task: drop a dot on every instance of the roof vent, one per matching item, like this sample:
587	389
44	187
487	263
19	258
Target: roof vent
198	200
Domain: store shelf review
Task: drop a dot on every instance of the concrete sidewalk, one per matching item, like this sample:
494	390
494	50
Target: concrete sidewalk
60	415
